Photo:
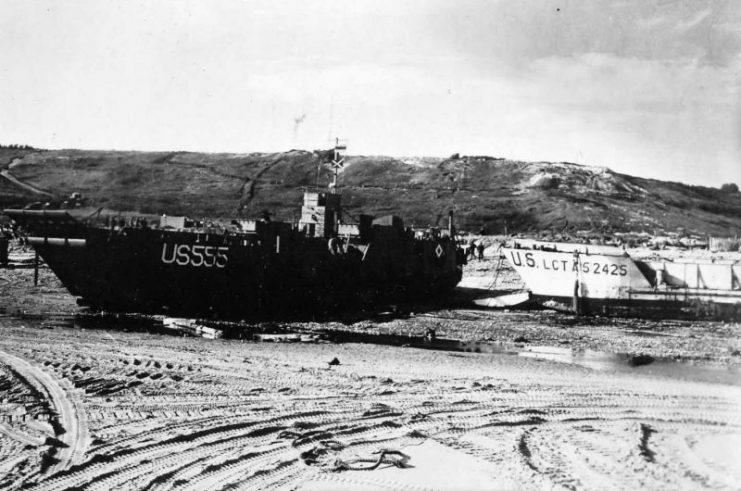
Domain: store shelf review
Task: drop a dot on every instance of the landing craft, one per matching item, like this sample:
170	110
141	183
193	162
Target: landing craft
606	280
243	269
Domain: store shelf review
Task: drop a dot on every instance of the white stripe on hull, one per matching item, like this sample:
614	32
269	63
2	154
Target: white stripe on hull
559	271
599	276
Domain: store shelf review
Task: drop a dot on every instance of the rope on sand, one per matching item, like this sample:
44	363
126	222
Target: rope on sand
325	456
347	465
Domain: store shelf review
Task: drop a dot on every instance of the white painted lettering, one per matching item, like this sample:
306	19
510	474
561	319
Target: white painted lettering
221	255
164	254
210	259
183	257
195	255
197	259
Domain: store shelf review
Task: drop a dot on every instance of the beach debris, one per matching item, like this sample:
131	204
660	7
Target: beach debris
646	452
400	460
334	362
639	360
430	335
278	338
323	454
297	438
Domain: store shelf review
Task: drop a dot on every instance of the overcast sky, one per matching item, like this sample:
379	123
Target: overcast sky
649	88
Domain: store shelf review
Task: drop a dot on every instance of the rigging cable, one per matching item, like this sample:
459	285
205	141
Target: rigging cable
499	267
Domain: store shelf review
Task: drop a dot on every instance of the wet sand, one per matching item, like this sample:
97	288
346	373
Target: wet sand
696	342
549	403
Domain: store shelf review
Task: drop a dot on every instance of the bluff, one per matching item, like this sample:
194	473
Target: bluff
488	193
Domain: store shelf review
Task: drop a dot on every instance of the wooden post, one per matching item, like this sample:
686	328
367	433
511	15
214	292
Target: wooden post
36	268
4	243
575	300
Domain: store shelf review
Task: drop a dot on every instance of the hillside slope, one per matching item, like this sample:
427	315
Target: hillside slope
490	193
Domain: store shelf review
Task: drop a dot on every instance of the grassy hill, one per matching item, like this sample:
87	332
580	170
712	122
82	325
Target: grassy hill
11	194
484	192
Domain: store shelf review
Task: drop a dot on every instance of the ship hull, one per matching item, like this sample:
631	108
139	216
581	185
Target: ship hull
607	281
656	307
276	272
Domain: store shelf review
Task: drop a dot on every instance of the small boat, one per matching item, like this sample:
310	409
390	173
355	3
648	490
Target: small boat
606	280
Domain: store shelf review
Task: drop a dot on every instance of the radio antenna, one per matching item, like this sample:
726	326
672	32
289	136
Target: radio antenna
331	119
337	162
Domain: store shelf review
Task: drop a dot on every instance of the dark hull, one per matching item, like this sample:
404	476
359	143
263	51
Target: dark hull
670	307
241	276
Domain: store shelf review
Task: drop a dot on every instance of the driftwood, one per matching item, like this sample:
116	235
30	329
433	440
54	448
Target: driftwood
347	465
321	455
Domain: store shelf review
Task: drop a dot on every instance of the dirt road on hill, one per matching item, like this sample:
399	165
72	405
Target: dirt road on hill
13	179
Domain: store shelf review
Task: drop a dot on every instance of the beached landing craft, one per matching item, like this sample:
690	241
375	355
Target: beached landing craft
242	269
606	280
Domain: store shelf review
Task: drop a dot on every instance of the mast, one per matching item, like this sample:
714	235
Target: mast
320	213
337	162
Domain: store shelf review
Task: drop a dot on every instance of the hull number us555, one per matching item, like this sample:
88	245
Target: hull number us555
197	255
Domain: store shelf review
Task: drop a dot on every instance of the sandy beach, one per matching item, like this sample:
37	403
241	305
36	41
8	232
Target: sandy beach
534	400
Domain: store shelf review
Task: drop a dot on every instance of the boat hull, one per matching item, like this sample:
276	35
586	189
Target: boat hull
607	281
657	307
276	272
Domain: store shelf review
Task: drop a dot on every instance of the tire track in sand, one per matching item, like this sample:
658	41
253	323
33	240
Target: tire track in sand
70	414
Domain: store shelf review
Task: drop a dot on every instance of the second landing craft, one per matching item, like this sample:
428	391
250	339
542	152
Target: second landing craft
606	280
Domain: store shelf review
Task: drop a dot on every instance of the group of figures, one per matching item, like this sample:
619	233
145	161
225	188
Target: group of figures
475	251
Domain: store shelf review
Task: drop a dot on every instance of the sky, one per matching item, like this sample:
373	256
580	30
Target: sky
645	87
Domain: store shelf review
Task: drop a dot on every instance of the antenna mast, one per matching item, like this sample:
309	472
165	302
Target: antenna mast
338	162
